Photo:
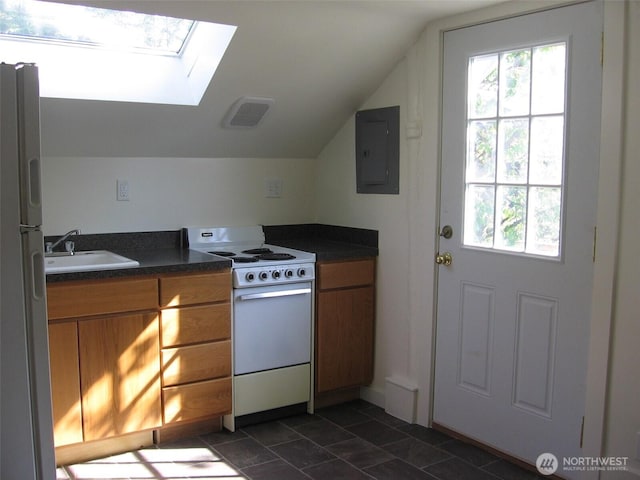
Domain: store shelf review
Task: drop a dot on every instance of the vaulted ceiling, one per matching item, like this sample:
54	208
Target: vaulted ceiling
319	60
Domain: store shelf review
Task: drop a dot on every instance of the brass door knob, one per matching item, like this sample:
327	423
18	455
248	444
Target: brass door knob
445	259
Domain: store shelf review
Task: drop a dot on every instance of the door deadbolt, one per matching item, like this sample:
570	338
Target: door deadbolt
446	232
445	259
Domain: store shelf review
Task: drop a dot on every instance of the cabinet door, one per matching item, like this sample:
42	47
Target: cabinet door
344	353
120	374
65	383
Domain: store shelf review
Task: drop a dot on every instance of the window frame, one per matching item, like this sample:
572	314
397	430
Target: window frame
497	117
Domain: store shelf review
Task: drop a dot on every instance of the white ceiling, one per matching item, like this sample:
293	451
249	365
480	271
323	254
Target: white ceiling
319	60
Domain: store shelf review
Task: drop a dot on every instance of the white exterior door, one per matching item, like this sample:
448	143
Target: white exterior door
520	152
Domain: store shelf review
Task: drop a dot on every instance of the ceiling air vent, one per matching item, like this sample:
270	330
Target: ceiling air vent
247	112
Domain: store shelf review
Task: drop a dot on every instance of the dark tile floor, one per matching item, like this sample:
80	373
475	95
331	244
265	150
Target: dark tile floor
355	441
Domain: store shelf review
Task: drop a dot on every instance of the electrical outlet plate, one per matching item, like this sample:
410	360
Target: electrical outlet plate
122	190
273	187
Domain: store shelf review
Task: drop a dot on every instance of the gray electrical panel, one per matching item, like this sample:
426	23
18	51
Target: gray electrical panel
378	150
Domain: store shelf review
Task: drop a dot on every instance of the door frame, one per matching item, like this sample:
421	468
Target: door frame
608	206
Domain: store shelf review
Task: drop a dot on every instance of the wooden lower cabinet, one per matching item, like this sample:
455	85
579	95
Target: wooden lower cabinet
345	338
65	383
119	369
196	347
345	316
130	357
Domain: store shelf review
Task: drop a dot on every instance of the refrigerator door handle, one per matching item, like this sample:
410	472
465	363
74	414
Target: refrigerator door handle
35	299
38	279
34	280
29	144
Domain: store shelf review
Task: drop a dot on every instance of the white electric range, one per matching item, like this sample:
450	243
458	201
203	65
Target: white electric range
254	262
273	298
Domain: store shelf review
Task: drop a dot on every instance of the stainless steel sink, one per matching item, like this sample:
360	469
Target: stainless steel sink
86	261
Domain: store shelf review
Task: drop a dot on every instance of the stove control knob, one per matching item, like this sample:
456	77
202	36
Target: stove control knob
264	275
288	273
250	277
302	272
276	274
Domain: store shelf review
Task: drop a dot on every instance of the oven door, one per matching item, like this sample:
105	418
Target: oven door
272	327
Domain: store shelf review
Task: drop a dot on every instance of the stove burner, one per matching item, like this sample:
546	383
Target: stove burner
275	256
256	254
245	259
258	251
223	254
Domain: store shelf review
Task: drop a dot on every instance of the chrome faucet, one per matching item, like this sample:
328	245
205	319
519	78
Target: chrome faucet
69	246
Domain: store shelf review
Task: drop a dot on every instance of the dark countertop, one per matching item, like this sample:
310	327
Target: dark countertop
166	252
328	242
327	250
152	262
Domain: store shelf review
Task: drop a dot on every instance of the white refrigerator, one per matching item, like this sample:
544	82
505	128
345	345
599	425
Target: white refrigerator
26	432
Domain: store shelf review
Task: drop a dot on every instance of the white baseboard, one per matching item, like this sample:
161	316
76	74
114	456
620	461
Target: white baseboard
398	398
401	395
372	395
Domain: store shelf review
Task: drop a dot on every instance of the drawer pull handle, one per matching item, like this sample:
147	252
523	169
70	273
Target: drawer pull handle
282	293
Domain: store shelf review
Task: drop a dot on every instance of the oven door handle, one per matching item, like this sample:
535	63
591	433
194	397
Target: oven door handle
281	293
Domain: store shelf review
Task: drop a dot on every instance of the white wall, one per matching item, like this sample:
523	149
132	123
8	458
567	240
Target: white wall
338	203
622	433
169	193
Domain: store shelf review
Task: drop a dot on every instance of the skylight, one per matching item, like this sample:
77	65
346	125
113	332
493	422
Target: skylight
89	26
100	54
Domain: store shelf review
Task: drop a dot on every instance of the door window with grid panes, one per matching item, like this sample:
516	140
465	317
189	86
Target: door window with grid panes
515	150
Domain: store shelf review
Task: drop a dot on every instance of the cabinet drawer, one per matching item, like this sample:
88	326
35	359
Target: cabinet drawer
346	274
66	300
196	362
185	325
193	289
197	400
